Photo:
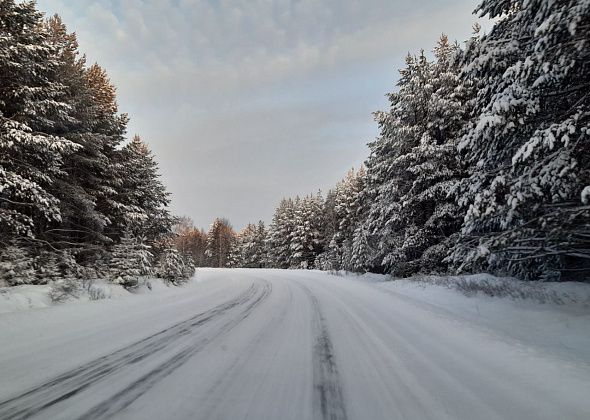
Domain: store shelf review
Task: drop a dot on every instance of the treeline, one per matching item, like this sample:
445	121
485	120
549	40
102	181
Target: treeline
221	246
482	162
76	199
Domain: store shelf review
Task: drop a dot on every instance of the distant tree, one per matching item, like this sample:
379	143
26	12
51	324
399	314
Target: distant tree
341	216
220	240
248	249
279	235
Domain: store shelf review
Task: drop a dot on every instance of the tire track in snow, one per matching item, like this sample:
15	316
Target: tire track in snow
328	397
124	398
71	383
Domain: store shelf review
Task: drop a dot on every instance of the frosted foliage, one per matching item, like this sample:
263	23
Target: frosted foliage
16	266
30	103
249	248
529	143
413	167
173	268
131	260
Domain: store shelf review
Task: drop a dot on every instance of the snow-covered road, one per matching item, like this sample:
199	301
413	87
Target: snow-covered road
272	344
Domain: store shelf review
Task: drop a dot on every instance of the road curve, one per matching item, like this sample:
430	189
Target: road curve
275	344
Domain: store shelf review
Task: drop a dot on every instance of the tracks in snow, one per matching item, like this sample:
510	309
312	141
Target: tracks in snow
73	382
328	397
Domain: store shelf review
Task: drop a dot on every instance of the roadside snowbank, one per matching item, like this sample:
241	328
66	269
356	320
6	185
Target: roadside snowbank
18	298
554	317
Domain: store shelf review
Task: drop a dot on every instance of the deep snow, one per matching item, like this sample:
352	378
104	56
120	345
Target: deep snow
296	344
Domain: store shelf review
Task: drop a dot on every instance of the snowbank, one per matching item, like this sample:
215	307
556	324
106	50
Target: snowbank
554	317
25	297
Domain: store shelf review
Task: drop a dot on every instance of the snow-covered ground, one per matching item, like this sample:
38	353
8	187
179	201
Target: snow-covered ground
279	344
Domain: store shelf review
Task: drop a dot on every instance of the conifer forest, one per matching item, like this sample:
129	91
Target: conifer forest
447	276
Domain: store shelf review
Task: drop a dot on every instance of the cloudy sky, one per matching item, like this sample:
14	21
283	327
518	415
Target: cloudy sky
247	101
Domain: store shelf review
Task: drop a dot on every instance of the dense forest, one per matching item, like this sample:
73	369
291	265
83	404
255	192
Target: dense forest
482	165
77	200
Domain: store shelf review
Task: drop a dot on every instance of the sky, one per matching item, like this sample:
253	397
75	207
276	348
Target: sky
244	102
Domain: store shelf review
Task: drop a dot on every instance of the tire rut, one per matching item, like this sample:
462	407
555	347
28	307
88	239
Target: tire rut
73	382
328	396
124	398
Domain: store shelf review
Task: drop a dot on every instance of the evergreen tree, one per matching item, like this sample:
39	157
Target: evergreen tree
279	235
306	241
130	261
88	172
31	103
16	266
529	144
142	194
342	214
388	178
414	169
250	246
173	268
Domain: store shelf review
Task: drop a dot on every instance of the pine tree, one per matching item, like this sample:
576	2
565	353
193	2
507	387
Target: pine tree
31	103
88	172
529	142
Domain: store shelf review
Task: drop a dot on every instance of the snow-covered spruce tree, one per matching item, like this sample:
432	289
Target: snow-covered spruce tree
387	179
130	261
16	266
235	259
279	235
306	241
528	196
174	268
31	103
361	259
248	250
413	219
142	193
429	216
341	215
47	267
259	251
88	181
349	217
329	258
110	128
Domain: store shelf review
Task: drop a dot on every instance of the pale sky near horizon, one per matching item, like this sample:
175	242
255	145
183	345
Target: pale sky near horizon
247	101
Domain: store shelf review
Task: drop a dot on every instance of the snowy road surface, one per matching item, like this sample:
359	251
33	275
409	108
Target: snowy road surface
272	344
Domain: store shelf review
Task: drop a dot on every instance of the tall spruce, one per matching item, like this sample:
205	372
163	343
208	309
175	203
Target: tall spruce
31	105
144	197
528	145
